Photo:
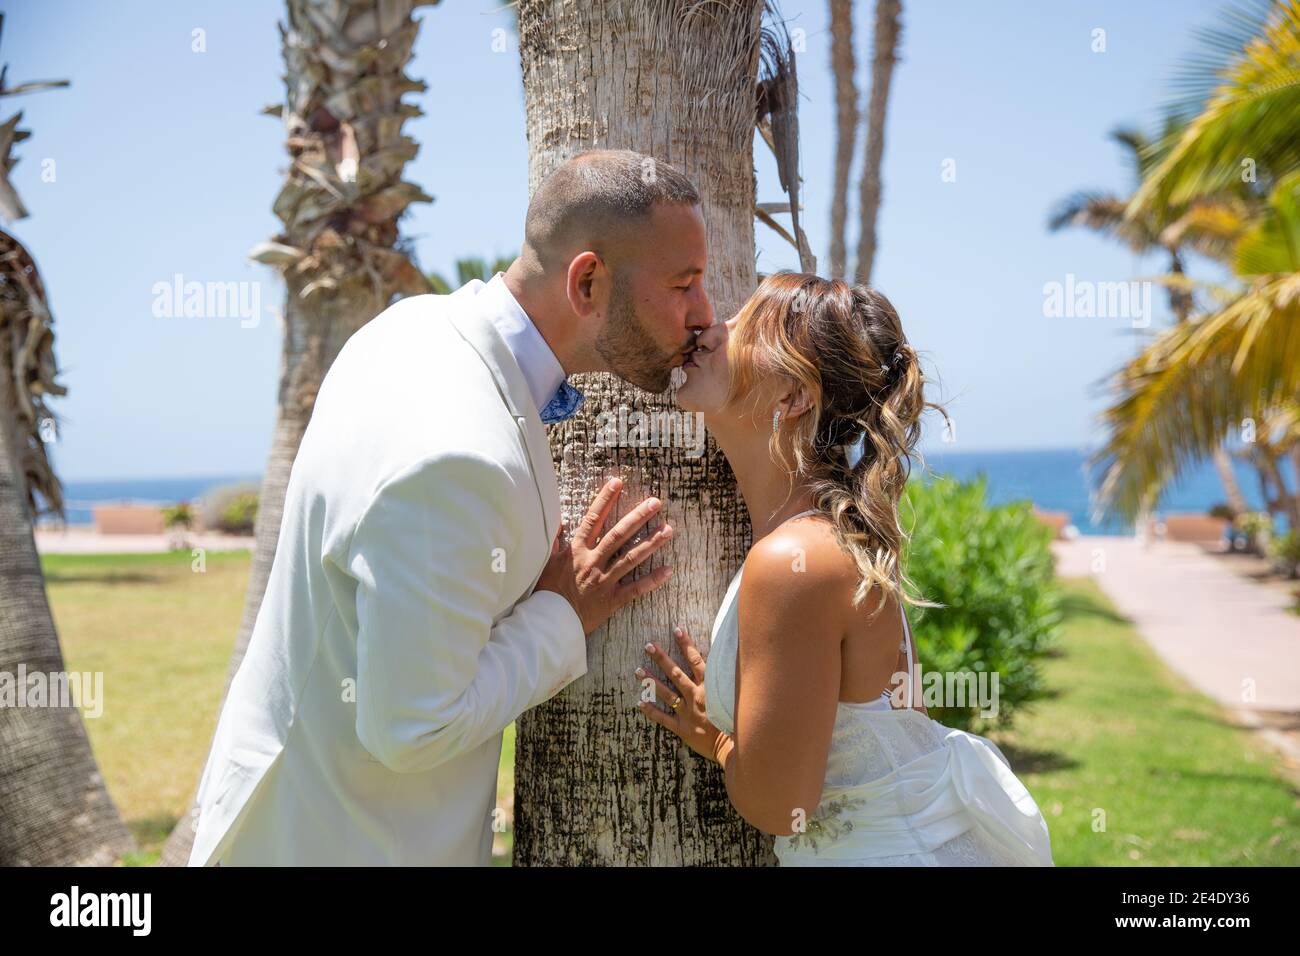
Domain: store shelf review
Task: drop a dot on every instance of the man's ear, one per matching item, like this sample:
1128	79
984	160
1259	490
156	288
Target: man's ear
582	283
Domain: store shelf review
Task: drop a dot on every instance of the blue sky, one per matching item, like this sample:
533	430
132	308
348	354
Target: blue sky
162	165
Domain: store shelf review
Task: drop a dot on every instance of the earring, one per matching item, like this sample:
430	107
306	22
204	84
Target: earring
776	419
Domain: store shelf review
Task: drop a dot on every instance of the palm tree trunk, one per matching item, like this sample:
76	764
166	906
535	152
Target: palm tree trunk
846	127
1228	478
595	781
1294	454
1180	303
1285	502
54	807
344	80
882	72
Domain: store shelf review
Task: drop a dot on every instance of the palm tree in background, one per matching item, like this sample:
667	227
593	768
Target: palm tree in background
1162	228
884	57
843	66
54	807
468	269
340	252
1201	379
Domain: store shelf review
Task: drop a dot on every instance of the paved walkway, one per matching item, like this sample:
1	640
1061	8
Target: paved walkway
1213	626
85	541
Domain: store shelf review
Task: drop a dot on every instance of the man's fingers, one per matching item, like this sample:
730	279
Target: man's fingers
625	594
594	519
636	555
627	526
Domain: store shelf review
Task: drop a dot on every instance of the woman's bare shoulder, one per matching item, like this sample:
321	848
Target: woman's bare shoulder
804	560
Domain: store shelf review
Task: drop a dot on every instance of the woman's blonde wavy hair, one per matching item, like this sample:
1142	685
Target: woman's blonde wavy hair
845	346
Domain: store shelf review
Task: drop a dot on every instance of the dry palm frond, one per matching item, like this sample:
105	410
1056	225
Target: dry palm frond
27	364
778	122
29	370
763	213
343	115
35	86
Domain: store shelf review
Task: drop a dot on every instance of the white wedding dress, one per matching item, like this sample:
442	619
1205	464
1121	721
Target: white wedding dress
901	789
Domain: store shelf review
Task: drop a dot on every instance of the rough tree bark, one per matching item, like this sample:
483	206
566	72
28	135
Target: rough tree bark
595	781
340	251
54	807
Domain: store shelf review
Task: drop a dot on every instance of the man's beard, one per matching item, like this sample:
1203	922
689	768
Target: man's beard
628	348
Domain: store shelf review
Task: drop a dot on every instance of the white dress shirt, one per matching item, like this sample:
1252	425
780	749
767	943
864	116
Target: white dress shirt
542	370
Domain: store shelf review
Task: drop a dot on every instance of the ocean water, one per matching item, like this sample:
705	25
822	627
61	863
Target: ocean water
1054	479
80	496
1057	480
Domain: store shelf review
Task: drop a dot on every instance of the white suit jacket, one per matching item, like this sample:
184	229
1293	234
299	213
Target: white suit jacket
400	633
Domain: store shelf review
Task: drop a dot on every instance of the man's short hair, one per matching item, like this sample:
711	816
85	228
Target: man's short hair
592	198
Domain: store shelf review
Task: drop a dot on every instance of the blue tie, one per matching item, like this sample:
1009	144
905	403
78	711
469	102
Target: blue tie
563	406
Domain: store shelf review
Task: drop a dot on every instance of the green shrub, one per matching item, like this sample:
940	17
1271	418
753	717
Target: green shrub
1285	552
1256	528
231	508
1223	511
992	569
179	515
239	515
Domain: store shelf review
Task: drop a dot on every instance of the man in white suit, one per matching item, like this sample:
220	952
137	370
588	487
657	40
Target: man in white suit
420	598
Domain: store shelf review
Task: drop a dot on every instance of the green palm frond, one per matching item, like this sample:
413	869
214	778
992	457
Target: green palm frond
467	269
1102	213
1179	399
1210	227
1272	245
1249	120
1196	79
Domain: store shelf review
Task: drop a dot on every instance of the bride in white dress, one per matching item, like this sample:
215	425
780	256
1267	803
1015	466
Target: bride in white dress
790	703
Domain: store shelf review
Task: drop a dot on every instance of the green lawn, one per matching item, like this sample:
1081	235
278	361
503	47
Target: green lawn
1121	737
1132	767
